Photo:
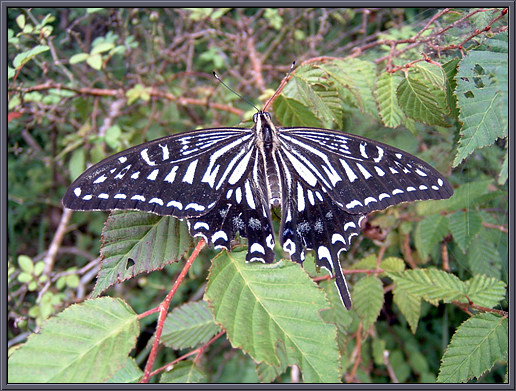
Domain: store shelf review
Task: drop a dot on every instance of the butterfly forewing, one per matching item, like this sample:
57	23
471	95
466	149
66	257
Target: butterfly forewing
359	174
181	175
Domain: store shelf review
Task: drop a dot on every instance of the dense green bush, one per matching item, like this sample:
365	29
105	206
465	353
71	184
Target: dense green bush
429	298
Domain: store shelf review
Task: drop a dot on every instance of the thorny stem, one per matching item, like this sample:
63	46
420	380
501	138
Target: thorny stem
163	309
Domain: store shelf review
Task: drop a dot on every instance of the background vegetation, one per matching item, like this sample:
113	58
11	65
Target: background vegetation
429	298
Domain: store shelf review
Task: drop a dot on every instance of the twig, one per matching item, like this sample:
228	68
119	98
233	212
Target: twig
357	353
56	241
390	369
498	227
163	309
197	351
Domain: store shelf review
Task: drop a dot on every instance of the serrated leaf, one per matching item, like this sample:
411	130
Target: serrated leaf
464	226
302	87
134	242
429	232
388	107
290	112
409	305
368	262
430	284
451	69
368	299
475	347
130	373
260	304
482	98
189	325
392	264
465	196
433	73
484	291
184	372
483	257
422	101
363	74
267	373
86	343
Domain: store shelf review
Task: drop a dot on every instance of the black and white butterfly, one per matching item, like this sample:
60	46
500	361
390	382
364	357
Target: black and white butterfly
225	180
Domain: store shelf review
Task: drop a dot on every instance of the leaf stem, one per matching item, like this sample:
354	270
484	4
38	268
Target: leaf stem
163	309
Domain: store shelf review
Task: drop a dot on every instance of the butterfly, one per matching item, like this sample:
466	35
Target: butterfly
225	181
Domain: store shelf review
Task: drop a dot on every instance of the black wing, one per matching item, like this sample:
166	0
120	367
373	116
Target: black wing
182	175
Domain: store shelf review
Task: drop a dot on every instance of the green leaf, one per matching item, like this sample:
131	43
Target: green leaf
368	299
476	346
77	163
86	343
388	107
290	112
95	61
102	47
25	57
267	373
409	305
482	97
429	232
189	325
483	257
464	226
260	304
484	291
359	75
130	373
421	100
25	263
451	69
79	57
134	242
430	284
433	73
184	372
392	264
504	172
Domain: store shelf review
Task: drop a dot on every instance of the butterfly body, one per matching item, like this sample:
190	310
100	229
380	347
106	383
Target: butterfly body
224	181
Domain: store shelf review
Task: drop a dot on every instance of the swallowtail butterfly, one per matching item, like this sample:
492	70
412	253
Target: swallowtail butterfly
225	180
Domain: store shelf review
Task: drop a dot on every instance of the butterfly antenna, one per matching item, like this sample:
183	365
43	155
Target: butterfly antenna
233	91
282	85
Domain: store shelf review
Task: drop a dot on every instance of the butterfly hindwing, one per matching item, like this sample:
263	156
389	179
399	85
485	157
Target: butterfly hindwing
242	208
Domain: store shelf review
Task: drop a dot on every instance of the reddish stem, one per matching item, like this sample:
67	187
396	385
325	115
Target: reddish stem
163	309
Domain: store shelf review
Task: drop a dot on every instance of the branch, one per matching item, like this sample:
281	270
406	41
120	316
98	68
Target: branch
163	309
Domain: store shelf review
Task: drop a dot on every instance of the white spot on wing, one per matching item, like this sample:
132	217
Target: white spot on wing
77	191
238	195
122	159
383	195
368	200
219	235
171	175
257	247
100	179
145	156
354	203
364	172
190	172
104	196
138	198
134	175
249	195
164	151
337	238
379	171
156	201
175	204
349	172
440	182
87	197
195	206
420	173
201	224
300	198
363	150
380	154
397	191
120	196
410	188
153	175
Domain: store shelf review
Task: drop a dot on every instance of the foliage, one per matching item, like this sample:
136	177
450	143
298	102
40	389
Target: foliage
86	83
